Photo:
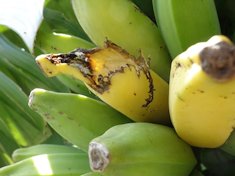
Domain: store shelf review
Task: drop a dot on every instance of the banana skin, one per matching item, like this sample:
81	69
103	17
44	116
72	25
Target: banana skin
202	94
140	148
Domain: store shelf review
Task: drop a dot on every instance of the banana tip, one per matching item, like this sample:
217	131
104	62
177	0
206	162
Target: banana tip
98	156
32	95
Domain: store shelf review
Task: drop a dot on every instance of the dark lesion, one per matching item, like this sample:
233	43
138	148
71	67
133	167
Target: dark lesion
218	60
80	59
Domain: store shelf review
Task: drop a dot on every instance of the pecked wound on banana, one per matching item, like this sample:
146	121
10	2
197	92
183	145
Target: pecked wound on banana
202	92
121	80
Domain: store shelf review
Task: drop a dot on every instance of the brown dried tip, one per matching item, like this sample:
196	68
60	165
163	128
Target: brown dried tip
218	60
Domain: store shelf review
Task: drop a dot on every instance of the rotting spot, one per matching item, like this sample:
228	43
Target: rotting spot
218	60
100	82
201	91
177	65
190	60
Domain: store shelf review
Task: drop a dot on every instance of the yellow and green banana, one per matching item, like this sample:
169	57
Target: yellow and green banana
75	117
124	24
48	41
202	96
123	81
185	22
138	149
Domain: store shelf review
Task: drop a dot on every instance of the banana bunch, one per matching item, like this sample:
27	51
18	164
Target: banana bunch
47	160
121	88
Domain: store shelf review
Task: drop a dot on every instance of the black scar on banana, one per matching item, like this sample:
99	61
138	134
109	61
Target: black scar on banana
79	58
219	63
107	72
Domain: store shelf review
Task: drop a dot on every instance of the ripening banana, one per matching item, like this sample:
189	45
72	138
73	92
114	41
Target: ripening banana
39	149
202	93
75	117
123	81
123	23
138	149
48	41
56	164
183	22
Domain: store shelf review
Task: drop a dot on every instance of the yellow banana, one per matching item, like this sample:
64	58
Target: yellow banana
202	94
118	78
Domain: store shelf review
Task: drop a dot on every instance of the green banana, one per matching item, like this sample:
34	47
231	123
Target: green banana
184	23
27	152
75	117
201	95
56	164
124	24
135	149
106	71
49	41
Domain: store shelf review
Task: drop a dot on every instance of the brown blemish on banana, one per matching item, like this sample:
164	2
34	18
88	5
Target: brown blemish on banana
218	61
86	62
